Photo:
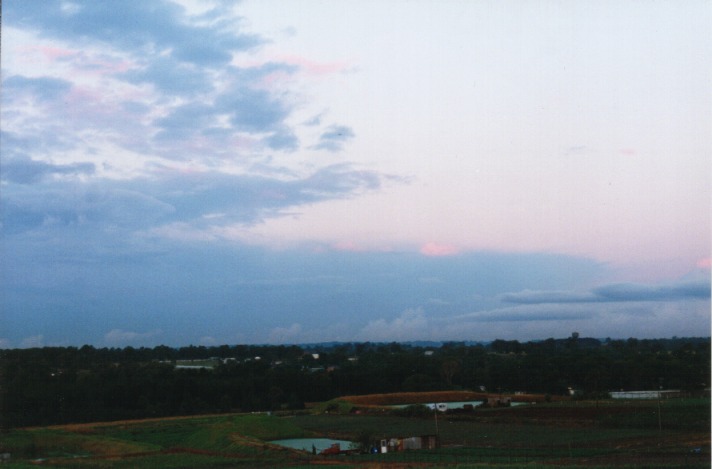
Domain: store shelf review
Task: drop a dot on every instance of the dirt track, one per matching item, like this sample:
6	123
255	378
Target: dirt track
442	396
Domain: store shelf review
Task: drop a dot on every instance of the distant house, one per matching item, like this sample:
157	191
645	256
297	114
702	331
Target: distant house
193	367
207	364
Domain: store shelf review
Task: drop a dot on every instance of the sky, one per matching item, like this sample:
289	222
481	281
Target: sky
215	172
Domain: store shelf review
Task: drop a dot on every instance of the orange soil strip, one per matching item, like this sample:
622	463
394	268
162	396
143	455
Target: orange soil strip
88	426
440	396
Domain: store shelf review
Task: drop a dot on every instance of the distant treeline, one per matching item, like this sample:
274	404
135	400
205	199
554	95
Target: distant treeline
54	385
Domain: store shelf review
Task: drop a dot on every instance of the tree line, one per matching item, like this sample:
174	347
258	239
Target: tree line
53	385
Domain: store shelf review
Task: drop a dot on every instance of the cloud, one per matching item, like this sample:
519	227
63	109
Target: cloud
199	105
45	88
282	335
412	324
435	249
33	341
334	137
122	337
143	204
316	68
208	340
171	76
314	121
617	320
636	292
253	109
137	27
536	313
621	292
438	302
244	108
59	205
27	171
249	199
544	297
282	139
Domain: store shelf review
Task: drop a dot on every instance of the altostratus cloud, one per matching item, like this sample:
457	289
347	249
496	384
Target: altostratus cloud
620	292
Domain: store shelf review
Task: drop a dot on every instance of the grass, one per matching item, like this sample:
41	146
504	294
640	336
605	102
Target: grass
218	441
467	433
572	434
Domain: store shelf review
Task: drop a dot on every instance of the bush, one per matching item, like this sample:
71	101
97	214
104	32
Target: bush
415	410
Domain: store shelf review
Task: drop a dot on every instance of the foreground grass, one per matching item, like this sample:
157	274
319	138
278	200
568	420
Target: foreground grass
213	441
599	435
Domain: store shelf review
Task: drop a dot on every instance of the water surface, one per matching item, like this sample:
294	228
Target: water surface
306	443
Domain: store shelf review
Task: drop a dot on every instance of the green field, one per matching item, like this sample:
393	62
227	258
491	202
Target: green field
572	434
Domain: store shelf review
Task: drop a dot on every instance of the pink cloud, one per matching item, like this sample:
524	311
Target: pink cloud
348	246
44	55
704	263
54	53
84	62
435	249
275	78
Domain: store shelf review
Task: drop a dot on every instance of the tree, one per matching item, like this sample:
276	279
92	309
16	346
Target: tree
448	369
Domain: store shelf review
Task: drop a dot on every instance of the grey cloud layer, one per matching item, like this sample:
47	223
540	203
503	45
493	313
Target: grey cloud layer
26	171
141	204
45	88
621	292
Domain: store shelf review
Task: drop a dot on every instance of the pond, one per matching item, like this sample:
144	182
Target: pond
319	443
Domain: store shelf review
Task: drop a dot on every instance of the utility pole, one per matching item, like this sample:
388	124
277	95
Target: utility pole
660	419
437	430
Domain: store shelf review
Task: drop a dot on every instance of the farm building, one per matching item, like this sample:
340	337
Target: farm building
646	394
391	445
499	401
